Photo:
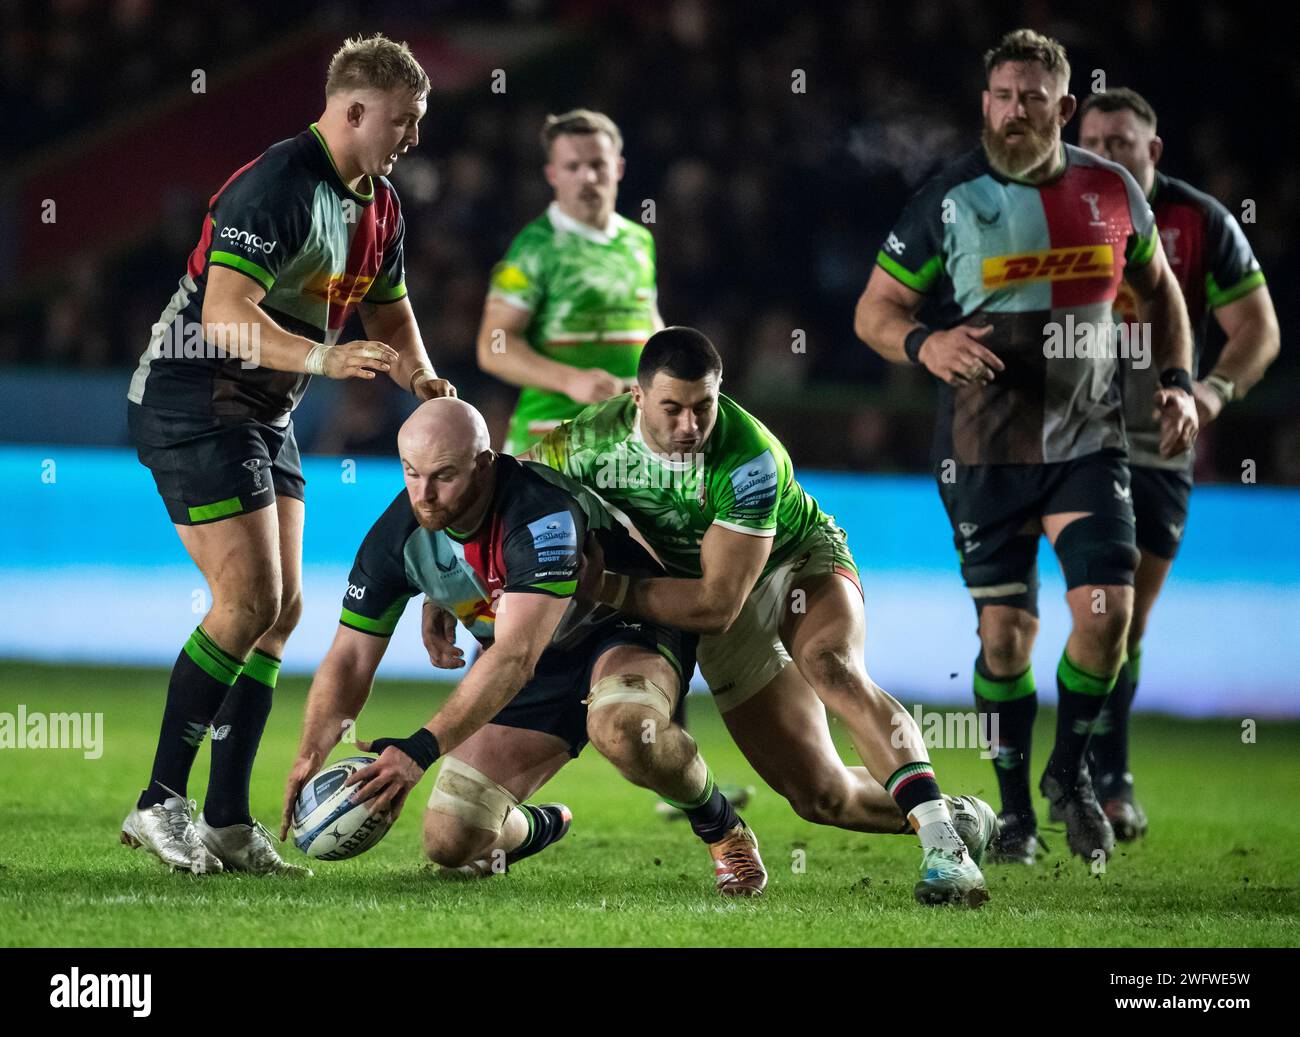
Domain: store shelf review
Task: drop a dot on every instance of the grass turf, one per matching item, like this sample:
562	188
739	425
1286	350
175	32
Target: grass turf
1218	869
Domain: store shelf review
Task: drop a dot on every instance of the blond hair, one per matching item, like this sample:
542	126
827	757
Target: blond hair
580	120
375	63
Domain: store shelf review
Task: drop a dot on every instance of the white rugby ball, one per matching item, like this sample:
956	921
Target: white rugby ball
326	824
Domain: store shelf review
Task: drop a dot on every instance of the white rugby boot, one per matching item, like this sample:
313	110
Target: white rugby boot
167	831
249	848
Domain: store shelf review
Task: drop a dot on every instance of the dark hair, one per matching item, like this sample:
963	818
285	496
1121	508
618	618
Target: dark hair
683	352
1121	99
1027	45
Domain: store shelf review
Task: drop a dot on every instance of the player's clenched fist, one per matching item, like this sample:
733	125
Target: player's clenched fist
592	385
1176	410
958	356
360	359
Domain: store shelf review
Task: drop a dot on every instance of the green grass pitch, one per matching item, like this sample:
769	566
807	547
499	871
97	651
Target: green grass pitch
1219	868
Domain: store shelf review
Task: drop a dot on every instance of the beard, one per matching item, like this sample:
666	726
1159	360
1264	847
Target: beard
435	517
1034	148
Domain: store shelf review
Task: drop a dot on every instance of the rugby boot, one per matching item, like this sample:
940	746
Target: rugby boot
167	831
950	877
736	864
975	822
248	848
1087	829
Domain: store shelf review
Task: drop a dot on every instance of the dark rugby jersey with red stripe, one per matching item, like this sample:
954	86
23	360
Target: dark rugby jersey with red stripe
1214	264
289	222
529	542
1041	263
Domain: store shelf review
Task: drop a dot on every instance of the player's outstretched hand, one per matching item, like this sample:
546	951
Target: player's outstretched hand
303	768
1178	422
385	784
438	629
429	387
360	359
591	385
957	356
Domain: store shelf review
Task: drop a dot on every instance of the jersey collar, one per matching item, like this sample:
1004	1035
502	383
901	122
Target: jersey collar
368	180
562	221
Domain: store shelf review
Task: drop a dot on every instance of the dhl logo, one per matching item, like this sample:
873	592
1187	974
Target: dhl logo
340	289
1053	264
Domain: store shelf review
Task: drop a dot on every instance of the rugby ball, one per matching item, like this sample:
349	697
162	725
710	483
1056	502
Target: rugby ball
327	825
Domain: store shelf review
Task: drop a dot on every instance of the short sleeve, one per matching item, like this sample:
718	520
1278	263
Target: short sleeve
745	496
378	587
519	279
913	252
390	283
1232	270
1140	247
258	224
542	555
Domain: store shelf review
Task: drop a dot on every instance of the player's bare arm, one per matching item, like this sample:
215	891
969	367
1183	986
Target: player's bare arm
503	351
395	324
231	303
1171	343
525	624
730	564
1253	341
886	316
338	692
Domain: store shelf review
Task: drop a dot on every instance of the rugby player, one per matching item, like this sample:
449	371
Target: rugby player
1218	273
1011	247
498	543
292	244
573	301
766	577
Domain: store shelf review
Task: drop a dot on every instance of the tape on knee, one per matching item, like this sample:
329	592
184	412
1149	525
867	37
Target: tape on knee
464	793
1097	550
630	688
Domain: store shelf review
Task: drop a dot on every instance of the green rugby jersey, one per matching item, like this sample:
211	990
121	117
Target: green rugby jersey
742	480
591	294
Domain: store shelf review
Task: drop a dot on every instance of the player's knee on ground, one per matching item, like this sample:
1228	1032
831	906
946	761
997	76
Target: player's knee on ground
625	714
1007	638
466	812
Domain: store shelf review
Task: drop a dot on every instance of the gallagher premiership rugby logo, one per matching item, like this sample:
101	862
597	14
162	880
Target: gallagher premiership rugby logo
754	483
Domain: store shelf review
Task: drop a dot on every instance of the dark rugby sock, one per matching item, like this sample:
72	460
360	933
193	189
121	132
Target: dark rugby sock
1108	750
202	677
236	733
545	825
1081	698
711	815
1014	702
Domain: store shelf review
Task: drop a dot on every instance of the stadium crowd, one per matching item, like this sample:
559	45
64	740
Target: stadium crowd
772	142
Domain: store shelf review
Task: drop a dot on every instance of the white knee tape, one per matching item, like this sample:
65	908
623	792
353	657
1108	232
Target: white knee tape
631	688
474	798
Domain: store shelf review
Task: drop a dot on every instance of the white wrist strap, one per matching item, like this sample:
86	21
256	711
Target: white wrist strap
316	359
427	372
624	581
